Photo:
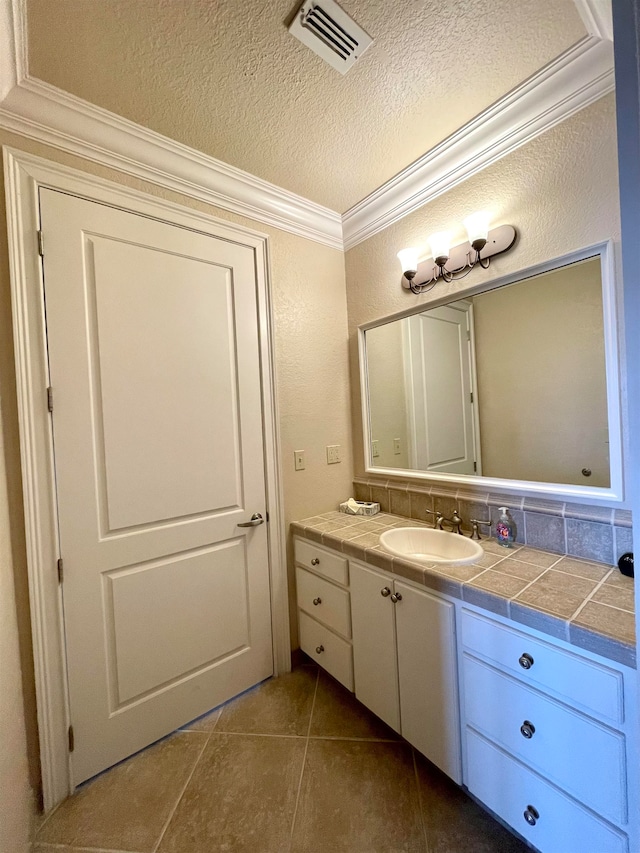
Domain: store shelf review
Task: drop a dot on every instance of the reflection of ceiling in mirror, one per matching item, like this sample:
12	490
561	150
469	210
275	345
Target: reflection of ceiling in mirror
534	353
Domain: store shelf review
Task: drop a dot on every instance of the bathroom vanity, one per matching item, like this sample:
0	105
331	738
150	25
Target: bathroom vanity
533	714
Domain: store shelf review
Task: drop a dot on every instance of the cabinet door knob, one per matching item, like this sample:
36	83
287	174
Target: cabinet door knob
319	649
317	601
385	592
315	562
531	815
527	730
525	661
396	597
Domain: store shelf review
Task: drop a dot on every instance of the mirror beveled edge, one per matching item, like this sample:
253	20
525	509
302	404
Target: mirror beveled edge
615	492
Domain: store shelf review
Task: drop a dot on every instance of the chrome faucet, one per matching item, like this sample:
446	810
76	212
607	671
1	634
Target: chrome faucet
455	521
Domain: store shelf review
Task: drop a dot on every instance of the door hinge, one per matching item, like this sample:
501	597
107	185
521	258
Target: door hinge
72	741
475	467
471	395
60	570
50	398
40	244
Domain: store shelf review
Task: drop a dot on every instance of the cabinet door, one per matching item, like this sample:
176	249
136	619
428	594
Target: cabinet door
374	644
427	670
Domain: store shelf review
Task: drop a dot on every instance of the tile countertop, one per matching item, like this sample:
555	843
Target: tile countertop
590	605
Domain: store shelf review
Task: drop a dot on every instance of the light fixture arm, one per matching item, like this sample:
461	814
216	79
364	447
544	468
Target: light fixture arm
460	261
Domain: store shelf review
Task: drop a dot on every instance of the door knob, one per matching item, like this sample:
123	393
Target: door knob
319	649
396	597
317	601
527	730
315	562
256	519
525	661
385	592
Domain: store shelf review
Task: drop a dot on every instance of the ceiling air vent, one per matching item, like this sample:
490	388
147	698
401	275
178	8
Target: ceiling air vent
330	33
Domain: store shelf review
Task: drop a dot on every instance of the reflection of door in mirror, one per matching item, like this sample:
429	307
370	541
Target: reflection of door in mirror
439	382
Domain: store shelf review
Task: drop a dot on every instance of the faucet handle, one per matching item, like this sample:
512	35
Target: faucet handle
436	517
475	523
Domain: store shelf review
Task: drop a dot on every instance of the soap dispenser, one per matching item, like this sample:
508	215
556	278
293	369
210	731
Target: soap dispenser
505	528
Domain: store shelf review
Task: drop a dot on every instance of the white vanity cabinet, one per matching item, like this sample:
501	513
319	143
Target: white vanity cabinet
324	609
546	735
404	650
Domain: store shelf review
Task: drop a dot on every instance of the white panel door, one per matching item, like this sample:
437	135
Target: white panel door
153	347
440	390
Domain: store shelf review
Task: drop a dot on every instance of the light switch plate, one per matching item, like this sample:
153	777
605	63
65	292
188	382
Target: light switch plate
375	450
333	454
298	458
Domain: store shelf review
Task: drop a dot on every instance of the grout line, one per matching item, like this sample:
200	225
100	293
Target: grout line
357	739
73	847
259	734
589	597
304	760
181	795
420	803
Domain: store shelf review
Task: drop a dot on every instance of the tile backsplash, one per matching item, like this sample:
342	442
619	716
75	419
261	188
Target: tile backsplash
589	532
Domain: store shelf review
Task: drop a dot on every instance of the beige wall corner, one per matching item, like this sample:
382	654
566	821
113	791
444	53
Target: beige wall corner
560	192
16	802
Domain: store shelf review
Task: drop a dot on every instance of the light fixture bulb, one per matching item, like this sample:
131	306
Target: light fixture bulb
477	226
440	244
409	262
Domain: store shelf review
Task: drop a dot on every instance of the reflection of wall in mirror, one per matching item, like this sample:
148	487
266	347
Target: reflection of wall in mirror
540	350
388	414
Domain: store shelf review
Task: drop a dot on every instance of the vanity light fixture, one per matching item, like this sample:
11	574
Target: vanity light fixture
456	263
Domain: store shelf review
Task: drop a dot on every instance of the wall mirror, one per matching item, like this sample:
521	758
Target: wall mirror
512	384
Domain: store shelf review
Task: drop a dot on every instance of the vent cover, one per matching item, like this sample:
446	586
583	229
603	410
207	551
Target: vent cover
330	33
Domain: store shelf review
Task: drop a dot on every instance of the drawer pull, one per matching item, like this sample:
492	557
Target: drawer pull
396	597
319	649
527	730
317	601
385	592
531	815
525	661
315	561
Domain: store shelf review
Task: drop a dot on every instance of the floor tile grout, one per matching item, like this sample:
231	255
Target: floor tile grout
420	803
181	795
304	760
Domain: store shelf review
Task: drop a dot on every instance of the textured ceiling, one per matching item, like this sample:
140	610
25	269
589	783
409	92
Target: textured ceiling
227	78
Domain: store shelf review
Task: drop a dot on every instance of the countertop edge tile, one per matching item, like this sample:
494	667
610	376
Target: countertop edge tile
617	649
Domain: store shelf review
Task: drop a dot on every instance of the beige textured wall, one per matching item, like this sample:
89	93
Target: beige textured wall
542	387
560	191
310	325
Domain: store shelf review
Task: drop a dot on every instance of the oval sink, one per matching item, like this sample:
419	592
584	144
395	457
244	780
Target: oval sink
425	545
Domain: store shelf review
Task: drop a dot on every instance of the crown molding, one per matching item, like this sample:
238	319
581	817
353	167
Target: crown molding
596	17
39	111
45	113
571	82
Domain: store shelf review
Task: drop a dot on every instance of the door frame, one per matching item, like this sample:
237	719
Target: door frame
25	174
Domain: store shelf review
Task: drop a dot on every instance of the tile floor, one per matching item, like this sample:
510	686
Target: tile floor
295	764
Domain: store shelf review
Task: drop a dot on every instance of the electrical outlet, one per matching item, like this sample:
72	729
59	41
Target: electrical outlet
375	450
298	458
396	446
333	454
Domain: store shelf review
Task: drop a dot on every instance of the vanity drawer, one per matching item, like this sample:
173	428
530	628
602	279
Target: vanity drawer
336	654
594	688
324	601
321	561
509	789
581	756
